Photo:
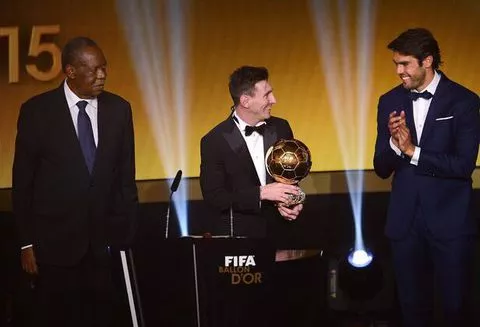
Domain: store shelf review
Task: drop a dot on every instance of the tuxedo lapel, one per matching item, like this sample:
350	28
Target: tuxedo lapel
269	138
436	106
236	142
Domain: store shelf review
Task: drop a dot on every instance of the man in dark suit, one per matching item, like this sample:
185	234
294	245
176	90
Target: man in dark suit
74	191
249	203
232	173
428	135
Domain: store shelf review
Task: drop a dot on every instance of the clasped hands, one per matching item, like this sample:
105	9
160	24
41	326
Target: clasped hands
280	194
401	137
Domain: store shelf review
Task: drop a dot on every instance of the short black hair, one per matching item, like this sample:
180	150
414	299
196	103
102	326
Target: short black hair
419	43
243	80
71	50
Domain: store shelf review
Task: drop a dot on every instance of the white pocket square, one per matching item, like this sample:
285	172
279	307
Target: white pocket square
444	118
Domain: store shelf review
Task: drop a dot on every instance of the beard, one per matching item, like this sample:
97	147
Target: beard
414	81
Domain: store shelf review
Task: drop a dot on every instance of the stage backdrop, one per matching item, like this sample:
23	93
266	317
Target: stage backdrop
171	59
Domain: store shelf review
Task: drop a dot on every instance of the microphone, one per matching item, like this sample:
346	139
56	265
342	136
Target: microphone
176	182
173	189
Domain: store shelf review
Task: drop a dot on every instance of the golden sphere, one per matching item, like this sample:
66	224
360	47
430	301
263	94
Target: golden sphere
288	161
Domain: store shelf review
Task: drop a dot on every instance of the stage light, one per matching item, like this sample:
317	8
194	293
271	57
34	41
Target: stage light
346	60
361	282
360	288
360	258
157	39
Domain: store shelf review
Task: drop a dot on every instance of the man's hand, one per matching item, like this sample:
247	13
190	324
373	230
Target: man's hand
395	121
405	141
278	192
29	263
290	213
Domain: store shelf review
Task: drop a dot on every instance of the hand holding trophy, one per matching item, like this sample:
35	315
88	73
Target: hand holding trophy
288	162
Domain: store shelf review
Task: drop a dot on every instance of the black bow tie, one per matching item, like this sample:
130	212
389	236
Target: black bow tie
250	129
425	94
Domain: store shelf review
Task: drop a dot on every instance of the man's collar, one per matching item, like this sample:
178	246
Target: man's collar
72	98
432	86
241	123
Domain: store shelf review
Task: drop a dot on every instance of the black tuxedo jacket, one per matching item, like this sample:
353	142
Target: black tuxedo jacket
60	208
229	180
441	184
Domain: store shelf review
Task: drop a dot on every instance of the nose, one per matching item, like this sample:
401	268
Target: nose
101	73
272	99
400	69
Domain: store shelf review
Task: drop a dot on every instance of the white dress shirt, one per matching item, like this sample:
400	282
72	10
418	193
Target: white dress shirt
255	148
91	109
420	111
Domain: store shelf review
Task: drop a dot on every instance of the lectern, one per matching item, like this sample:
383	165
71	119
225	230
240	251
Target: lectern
197	281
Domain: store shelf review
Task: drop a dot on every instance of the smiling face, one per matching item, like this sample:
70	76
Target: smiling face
413	75
258	106
86	76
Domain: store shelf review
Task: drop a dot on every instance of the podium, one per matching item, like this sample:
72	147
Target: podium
212	282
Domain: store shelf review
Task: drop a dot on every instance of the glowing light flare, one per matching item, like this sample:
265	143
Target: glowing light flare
360	258
348	97
162	80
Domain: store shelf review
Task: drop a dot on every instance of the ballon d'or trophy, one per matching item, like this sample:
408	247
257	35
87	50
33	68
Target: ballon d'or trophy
288	162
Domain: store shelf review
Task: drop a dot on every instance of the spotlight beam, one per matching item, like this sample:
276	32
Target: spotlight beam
177	22
162	80
348	96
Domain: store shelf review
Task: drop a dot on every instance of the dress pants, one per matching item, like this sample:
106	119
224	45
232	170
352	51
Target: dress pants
75	296
422	262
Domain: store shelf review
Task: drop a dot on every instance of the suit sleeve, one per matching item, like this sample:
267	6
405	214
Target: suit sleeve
385	160
461	161
23	173
126	197
215	184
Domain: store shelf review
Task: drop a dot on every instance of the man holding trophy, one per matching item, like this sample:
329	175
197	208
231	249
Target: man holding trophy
232	172
253	190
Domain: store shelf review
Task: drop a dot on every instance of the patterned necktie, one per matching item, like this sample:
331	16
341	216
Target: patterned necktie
85	135
425	94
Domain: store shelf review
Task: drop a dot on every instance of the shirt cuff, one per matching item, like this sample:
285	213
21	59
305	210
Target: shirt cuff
26	246
395	148
416	156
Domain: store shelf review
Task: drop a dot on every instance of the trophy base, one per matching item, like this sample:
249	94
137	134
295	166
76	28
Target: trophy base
296	198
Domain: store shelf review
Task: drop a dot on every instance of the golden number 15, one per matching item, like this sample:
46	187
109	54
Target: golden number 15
35	48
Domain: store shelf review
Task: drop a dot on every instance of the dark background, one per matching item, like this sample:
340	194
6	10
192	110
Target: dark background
326	223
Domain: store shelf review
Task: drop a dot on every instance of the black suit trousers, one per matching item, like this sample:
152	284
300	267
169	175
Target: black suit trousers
74	296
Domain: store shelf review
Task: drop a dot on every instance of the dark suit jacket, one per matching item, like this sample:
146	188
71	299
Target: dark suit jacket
229	180
441	184
59	207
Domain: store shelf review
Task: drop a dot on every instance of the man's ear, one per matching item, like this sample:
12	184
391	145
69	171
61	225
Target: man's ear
70	72
244	100
427	62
